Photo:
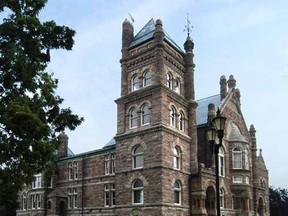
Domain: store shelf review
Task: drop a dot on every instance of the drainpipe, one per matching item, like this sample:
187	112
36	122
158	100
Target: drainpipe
82	185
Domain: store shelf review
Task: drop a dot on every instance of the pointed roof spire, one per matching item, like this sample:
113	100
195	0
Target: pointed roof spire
188	45
188	26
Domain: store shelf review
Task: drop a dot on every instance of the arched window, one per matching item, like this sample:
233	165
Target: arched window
237	158
138	160
145	115
176	158
49	204
169	81
133	118
172	116
24	201
177	192
181	121
221	162
135	85
137	192
178	86
147	78
222	198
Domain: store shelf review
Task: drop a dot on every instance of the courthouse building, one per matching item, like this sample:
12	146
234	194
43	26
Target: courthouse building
159	162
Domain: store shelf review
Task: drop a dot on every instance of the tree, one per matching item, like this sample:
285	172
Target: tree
278	198
31	116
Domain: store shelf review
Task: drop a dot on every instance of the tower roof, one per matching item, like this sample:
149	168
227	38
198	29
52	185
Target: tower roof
147	32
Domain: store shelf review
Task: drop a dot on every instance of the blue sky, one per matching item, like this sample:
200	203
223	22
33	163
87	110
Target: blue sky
246	38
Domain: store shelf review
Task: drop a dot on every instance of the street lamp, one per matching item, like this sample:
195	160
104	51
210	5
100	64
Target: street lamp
216	131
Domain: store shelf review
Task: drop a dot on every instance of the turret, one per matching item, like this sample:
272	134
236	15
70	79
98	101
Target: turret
189	69
127	37
159	54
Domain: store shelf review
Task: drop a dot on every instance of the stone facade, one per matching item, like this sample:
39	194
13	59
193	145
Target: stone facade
159	162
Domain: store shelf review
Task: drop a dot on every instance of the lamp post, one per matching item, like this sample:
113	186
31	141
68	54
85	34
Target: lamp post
216	131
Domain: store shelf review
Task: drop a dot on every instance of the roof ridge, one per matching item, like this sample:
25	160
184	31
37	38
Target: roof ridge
208	97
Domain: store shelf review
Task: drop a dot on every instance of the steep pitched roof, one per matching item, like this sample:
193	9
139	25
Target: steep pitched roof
202	108
147	32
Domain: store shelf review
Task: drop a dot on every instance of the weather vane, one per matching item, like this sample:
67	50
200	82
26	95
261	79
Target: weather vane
188	26
131	17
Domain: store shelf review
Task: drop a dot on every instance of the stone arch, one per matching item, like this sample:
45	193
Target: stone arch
137	141
210	201
62	207
145	102
260	208
134	177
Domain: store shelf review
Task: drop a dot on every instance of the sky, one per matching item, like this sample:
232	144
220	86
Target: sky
246	38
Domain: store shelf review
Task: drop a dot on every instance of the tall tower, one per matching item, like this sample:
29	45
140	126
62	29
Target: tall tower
156	140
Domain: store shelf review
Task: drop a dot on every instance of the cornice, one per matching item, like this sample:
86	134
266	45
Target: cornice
152	129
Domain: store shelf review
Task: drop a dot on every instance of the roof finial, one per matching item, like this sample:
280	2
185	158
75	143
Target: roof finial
188	26
132	19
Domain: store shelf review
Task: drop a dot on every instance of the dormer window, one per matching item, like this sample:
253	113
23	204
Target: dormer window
135	83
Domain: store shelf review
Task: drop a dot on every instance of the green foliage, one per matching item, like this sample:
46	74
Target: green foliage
31	116
278	198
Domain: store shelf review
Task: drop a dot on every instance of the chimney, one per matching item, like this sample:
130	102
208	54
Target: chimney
223	87
63	147
231	82
211	112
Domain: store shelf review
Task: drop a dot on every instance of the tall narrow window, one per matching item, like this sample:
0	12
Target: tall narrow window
177	192
24	201
237	158
113	163
222	198
176	158
37	182
110	194
137	192
147	78
72	198
246	158
49	182
138	160
135	83
178	86
145	115
75	169
169	81
133	118
109	162
221	162
36	201
172	116
181	121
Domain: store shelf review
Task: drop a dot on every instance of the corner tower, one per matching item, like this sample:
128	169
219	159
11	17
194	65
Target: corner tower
156	140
